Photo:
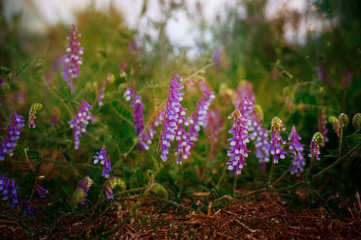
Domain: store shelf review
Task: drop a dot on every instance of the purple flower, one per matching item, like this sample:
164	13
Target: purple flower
213	127
322	121
261	142
296	148
101	94
11	136
35	107
238	149
104	160
185	143
74	51
203	108
81	121
171	116
8	188
129	93
109	191
28	206
276	149
42	191
138	123
83	188
316	141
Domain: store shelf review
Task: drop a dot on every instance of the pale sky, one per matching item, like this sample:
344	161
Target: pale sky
179	28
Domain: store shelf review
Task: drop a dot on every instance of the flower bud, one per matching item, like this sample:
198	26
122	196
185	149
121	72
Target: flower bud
318	138
343	120
356	121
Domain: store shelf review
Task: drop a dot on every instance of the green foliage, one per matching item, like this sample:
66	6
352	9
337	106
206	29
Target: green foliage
284	79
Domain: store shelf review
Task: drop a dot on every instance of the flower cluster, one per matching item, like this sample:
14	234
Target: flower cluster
238	149
322	121
8	188
80	122
35	107
213	127
104	160
101	94
261	142
12	135
297	149
73	59
138	123
316	141
82	190
42	191
129	93
276	149
171	115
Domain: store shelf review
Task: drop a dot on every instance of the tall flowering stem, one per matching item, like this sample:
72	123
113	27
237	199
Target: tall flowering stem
276	149
138	123
104	160
261	142
171	114
276	139
12	135
73	59
316	141
81	121
138	119
35	107
238	143
296	148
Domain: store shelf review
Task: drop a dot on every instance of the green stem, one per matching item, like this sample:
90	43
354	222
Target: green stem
222	176
310	167
340	142
279	179
234	185
270	175
348	154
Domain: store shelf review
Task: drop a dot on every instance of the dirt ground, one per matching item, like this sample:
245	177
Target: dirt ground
268	218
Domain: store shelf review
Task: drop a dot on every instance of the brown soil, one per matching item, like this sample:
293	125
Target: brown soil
268	218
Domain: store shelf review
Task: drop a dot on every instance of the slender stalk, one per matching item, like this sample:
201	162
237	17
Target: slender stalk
279	179
234	185
340	142
270	175
339	160
310	167
222	176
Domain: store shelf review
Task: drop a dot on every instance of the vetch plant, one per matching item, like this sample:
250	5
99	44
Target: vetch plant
34	109
171	117
104	160
238	143
81	121
296	148
73	59
11	136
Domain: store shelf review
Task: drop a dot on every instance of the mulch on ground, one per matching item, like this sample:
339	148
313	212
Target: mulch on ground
268	218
